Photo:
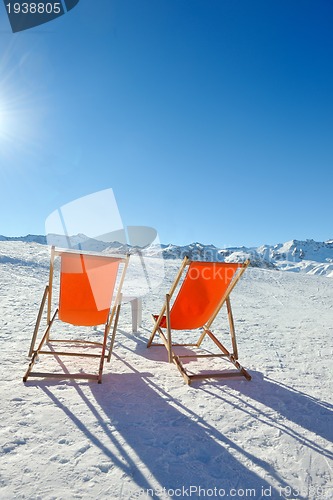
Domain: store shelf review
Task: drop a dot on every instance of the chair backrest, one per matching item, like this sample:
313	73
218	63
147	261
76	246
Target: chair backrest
201	293
87	284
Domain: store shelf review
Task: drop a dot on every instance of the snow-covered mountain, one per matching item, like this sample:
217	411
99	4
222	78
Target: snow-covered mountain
309	256
29	238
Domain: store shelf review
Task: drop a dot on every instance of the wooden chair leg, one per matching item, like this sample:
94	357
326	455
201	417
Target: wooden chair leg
114	331
39	348
230	356
39	317
156	325
101	364
232	328
168	328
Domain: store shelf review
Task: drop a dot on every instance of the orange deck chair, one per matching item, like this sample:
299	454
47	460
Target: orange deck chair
87	286
206	287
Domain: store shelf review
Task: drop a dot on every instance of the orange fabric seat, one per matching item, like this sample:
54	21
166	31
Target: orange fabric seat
86	288
200	293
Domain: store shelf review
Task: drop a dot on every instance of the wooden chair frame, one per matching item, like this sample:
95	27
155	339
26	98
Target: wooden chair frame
166	337
105	352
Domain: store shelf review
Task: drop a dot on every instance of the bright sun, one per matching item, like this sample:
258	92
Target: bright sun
22	114
14	134
17	120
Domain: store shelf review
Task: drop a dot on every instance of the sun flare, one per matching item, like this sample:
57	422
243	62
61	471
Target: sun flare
19	115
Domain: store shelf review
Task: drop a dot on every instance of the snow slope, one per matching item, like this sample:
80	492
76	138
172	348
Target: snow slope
143	429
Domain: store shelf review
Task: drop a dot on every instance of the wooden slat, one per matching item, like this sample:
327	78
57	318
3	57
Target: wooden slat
63	376
67	353
199	376
120	257
201	355
174	345
76	341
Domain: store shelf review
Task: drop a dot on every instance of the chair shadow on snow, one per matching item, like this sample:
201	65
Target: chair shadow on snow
302	409
295	406
147	434
175	445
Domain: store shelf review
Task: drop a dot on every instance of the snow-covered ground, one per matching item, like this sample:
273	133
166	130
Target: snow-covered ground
143	433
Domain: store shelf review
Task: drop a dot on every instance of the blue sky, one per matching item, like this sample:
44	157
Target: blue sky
212	120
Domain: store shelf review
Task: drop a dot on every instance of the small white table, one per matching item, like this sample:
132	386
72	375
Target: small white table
136	307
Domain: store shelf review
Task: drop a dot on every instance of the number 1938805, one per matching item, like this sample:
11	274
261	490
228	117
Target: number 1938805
34	8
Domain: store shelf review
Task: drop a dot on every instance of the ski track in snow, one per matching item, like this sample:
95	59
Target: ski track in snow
143	428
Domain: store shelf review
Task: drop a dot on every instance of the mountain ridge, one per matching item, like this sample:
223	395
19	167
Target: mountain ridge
309	256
